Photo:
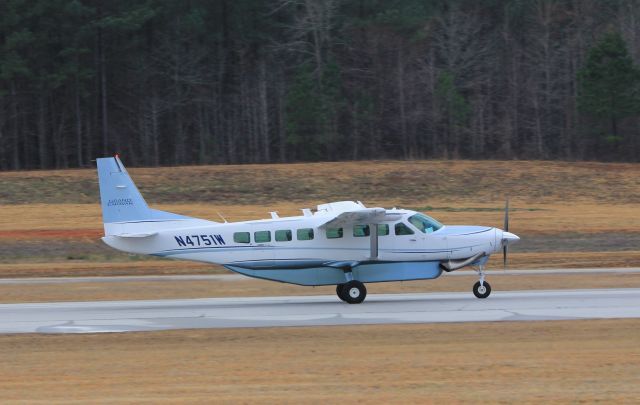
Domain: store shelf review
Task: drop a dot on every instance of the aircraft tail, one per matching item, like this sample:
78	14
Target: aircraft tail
123	204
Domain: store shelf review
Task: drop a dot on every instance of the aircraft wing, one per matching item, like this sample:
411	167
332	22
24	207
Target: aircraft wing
362	216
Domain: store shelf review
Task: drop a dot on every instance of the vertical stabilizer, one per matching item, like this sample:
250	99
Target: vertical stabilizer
120	199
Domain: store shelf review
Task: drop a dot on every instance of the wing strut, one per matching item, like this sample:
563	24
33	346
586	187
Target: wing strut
373	238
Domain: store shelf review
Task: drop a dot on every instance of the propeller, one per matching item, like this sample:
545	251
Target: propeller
505	246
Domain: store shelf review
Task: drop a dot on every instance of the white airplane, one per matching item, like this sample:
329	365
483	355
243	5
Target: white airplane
340	243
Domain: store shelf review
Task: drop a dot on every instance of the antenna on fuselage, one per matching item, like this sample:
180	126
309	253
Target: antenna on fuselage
223	218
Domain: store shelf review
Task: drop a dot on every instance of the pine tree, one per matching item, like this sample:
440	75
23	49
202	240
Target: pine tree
609	85
454	111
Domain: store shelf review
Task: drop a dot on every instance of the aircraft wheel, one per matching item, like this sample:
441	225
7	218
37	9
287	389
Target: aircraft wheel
340	292
354	292
481	291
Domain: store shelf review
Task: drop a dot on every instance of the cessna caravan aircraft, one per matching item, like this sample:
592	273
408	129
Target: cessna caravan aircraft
341	243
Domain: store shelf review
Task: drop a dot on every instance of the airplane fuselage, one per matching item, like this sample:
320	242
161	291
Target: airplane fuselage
282	249
342	243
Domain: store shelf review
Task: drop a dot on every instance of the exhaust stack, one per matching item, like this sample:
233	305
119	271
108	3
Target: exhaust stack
458	264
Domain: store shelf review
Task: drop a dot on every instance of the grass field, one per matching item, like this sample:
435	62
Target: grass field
527	362
404	183
568	214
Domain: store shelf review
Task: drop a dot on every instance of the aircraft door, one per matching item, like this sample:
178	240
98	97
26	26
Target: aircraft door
408	244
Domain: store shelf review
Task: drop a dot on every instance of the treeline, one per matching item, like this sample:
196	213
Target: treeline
233	81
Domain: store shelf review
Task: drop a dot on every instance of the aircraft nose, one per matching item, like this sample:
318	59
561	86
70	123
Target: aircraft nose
509	238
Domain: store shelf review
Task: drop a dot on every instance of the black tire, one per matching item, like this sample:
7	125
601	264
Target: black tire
354	292
481	292
340	292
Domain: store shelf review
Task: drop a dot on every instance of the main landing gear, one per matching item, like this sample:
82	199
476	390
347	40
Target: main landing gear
481	289
352	292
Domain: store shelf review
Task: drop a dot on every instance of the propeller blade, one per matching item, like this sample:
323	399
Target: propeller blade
506	215
506	229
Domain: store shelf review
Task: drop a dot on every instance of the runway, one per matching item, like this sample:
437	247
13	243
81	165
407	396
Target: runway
128	316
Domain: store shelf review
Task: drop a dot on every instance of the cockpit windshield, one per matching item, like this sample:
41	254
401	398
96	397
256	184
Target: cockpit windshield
424	223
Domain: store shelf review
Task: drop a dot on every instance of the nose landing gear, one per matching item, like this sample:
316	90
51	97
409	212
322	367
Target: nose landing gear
481	289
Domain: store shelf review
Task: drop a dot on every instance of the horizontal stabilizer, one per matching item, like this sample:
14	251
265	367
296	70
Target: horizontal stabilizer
125	213
135	235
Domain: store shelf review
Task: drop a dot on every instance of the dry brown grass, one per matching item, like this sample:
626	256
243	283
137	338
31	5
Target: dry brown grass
529	362
84	220
86	269
547	199
405	182
40	223
533	362
542	260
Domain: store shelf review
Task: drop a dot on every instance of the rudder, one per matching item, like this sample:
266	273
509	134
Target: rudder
119	197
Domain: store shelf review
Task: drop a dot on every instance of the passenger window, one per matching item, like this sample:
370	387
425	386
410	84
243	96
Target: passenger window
283	235
402	229
305	234
262	236
383	229
242	237
360	230
334	233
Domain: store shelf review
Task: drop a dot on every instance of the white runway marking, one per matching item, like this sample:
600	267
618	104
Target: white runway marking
124	316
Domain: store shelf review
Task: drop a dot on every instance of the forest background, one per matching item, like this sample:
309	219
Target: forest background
170	82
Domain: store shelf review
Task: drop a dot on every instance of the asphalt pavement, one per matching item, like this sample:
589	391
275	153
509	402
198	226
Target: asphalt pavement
128	316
